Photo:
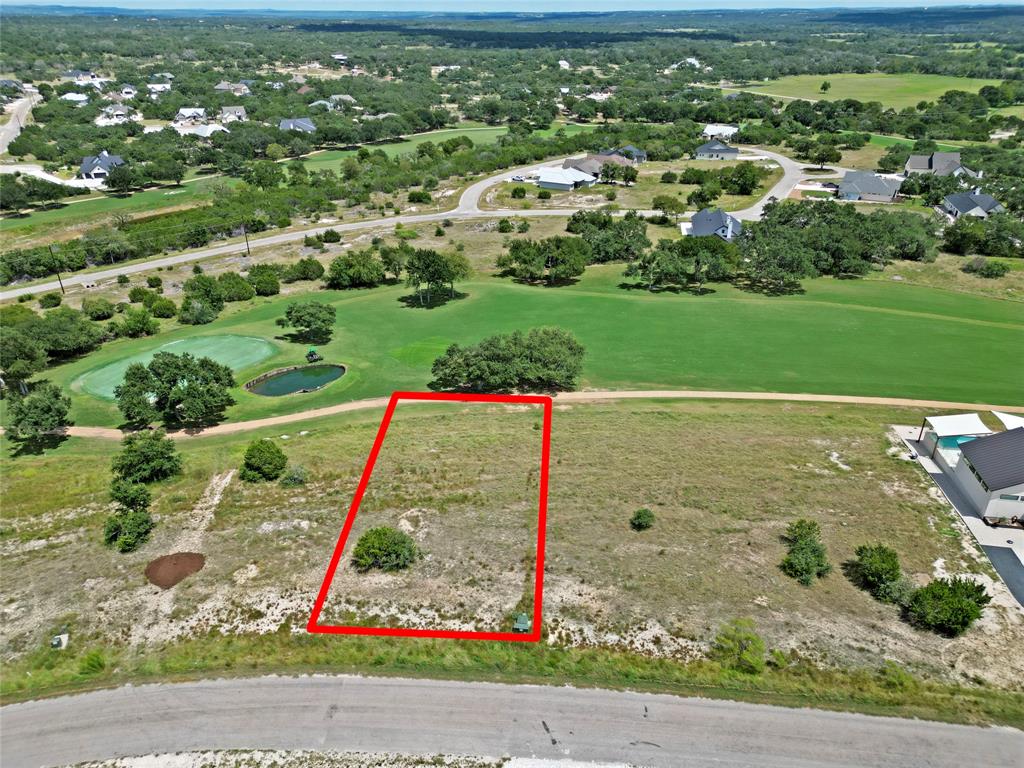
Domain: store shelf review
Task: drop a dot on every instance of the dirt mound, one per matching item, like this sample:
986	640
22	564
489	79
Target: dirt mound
168	570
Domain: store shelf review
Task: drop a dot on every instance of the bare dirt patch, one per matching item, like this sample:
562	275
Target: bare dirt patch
168	570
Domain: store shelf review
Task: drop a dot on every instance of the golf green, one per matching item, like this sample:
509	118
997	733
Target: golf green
236	352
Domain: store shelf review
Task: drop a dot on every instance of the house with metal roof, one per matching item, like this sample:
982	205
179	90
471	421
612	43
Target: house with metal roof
99	166
720	131
233	114
991	474
713	222
564	179
303	124
977	203
939	164
715	150
869	187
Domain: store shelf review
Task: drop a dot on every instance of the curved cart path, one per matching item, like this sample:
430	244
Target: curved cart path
231	428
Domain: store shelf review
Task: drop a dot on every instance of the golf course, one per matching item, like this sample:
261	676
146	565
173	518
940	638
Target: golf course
850	337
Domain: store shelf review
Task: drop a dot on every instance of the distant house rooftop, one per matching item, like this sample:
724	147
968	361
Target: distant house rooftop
965	203
99	165
939	164
863	184
303	124
715	221
714	147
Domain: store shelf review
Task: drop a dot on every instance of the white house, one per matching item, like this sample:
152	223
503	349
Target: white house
99	166
339	57
190	115
233	114
129	92
78	99
564	179
991	474
155	89
720	131
202	131
713	222
563	64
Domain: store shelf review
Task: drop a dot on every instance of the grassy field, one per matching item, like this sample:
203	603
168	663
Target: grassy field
898	91
867	157
1016	110
638	196
622	609
839	336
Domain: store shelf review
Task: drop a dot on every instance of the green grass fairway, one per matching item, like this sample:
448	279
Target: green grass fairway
853	337
236	352
891	90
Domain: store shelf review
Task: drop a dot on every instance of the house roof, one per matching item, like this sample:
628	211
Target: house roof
957	424
716	146
237	111
188	112
297	124
866	183
724	128
103	160
710	220
1010	420
563	176
590	164
968	201
939	163
998	458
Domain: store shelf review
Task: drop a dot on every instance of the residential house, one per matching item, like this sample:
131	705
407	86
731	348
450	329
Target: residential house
202	131
339	57
868	187
716	150
155	89
328	105
564	179
719	131
115	114
991	474
129	92
191	115
78	99
634	155
99	166
276	85
713	222
975	203
303	124
563	64
161	76
939	164
592	164
14	85
235	89
233	114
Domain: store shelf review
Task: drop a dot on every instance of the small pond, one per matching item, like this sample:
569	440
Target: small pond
306	378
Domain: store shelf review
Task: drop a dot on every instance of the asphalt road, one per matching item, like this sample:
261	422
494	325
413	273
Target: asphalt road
468	208
20	111
431	717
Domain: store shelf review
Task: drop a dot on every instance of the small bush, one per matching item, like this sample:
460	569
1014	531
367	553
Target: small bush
97	309
138	294
419	196
610	194
122	280
544	194
518	193
669	177
331	236
979	266
154	281
128	530
504	226
146	457
641	520
524	226
737	646
263	461
384	548
807	558
294	477
947	606
438	231
163	308
92	663
876	567
50	300
130	496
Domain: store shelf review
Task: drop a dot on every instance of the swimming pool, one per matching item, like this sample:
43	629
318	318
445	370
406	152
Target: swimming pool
953	442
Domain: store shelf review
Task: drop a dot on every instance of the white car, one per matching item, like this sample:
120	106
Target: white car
518	178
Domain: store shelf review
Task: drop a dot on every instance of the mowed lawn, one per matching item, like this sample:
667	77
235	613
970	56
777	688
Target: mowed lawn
840	337
898	91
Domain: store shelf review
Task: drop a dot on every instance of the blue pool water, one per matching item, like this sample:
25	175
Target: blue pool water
953	442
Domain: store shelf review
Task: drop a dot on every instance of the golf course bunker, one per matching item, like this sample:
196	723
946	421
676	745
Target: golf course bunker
288	381
236	352
168	570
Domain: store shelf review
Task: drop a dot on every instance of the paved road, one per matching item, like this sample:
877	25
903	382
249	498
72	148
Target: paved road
468	208
20	111
31	169
107	433
430	717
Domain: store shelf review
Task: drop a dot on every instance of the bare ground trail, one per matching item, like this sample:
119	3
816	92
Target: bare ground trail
108	433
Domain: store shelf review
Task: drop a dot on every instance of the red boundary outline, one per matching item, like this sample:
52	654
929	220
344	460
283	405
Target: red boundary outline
538	590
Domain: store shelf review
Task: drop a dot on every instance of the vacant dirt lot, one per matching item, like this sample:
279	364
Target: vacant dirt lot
723	480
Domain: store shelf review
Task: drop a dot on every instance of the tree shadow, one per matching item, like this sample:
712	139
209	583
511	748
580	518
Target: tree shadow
296	337
35	446
771	289
693	290
852	571
414	301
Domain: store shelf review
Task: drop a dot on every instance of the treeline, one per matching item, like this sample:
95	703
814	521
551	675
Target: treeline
18	191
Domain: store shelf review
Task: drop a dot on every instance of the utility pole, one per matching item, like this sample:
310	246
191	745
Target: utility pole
246	236
54	257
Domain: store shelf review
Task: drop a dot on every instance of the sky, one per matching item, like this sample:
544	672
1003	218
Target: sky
470	6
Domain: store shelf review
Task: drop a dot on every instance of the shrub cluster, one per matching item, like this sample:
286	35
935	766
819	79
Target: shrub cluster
145	457
385	548
264	460
807	558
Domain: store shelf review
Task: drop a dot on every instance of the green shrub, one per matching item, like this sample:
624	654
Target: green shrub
154	281
92	663
610	194
331	236
807	558
123	280
263	461
737	646
234	287
979	266
504	226
146	457
384	548
438	231
306	268
544	194
669	177
876	567
524	226
163	308
97	309
50	300
419	196
264	280
128	530
947	606
294	477
196	312
129	496
641	520
138	294
518	193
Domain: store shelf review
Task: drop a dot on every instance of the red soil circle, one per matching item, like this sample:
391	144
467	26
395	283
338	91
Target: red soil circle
168	570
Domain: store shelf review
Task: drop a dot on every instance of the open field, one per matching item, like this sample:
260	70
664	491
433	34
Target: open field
467	493
866	158
622	608
837	337
946	272
637	196
898	91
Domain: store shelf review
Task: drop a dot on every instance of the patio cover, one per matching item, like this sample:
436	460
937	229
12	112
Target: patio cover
1010	421
958	424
